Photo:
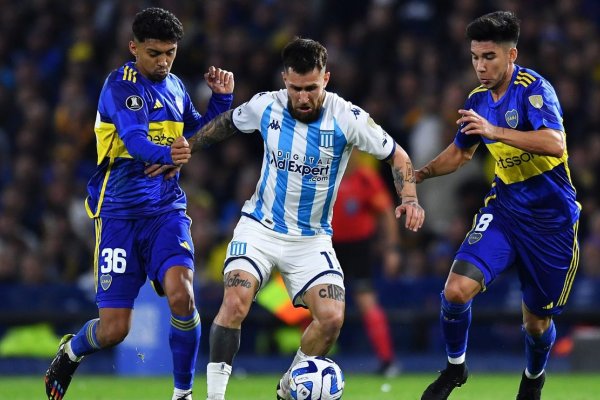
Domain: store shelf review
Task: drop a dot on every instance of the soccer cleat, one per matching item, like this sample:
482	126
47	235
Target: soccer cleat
455	375
59	374
283	390
389	369
185	396
531	389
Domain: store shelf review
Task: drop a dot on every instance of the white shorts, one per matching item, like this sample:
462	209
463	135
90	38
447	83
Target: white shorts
303	261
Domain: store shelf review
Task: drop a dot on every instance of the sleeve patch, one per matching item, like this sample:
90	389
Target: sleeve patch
537	101
134	102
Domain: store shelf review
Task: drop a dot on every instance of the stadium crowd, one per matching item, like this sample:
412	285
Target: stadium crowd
405	61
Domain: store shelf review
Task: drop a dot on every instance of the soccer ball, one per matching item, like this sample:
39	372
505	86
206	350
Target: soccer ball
316	378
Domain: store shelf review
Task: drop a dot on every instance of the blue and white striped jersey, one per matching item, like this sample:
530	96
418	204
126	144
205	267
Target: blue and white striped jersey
303	164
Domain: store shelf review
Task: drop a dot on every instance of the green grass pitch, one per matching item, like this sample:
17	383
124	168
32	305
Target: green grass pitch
262	387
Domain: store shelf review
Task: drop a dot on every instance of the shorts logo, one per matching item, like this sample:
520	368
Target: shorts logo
512	118
134	103
474	237
237	248
326	139
105	281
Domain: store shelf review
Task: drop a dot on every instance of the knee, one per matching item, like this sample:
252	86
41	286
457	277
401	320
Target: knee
111	333
331	322
537	327
234	309
181	302
457	293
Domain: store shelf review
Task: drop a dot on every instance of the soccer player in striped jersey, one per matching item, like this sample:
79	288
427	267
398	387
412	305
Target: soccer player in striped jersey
529	218
308	136
142	230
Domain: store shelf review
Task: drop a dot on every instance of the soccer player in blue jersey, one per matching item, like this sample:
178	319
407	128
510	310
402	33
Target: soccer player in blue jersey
308	136
142	230
529	218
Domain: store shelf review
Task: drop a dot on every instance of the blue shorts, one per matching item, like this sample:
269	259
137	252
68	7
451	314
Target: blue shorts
546	262
129	250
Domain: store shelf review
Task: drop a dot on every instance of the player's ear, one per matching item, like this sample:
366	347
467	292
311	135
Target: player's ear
133	48
512	54
325	78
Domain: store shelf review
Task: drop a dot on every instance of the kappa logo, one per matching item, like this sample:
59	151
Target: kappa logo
275	125
134	102
512	118
105	281
356	112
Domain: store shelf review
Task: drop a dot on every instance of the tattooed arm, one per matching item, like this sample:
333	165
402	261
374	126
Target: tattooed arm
218	129
405	182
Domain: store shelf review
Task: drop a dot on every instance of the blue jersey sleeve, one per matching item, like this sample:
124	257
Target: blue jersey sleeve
127	109
543	107
193	121
462	140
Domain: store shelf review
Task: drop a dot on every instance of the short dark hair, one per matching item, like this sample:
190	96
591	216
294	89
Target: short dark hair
303	55
157	23
498	27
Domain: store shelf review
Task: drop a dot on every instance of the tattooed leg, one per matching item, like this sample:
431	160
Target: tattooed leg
327	304
240	287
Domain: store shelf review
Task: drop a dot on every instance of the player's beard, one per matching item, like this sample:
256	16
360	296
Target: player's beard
306	118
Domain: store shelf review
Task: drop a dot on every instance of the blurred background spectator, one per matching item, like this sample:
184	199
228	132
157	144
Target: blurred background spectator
405	61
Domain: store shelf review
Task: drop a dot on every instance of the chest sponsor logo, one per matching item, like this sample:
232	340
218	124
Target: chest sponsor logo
512	118
134	102
317	169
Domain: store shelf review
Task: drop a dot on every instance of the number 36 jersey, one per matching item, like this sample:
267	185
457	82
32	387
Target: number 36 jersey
303	163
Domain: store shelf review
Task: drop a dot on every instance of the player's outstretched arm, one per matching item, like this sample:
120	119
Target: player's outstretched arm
405	183
217	130
448	161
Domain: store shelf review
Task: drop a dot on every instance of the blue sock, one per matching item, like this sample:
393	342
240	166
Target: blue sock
455	320
184	338
537	349
85	341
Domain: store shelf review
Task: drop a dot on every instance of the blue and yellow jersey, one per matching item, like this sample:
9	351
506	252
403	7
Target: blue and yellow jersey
137	121
533	188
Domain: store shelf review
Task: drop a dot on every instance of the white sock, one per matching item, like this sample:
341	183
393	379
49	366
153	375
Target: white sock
300	356
70	353
217	377
458	360
179	393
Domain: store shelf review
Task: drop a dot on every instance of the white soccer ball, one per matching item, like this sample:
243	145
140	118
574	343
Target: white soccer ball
316	378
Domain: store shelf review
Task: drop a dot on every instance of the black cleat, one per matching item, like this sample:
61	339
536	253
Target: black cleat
531	389
59	374
455	375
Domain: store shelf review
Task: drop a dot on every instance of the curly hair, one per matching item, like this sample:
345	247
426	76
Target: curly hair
303	55
157	23
498	27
